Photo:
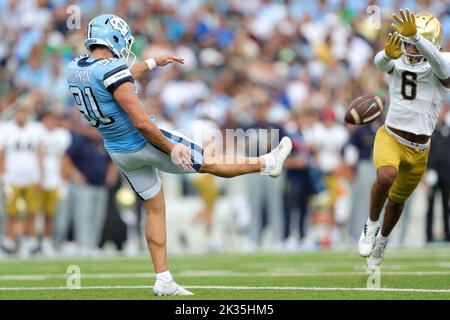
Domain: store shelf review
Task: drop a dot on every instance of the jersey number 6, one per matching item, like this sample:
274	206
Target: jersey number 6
94	116
409	85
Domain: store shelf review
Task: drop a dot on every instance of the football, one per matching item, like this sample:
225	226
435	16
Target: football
364	109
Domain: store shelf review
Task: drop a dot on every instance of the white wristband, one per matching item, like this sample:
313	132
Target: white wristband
386	57
151	63
415	38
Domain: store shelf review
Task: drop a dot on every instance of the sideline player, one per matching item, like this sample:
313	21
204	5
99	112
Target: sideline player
22	157
103	88
419	81
55	140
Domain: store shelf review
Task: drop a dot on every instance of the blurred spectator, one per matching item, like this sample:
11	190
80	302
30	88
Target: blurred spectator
437	177
303	180
55	141
328	139
205	129
265	195
87	162
358	155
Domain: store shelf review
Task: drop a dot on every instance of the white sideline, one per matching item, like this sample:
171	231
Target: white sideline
232	288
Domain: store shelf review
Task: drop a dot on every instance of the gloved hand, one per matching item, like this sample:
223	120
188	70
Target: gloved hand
393	46
407	24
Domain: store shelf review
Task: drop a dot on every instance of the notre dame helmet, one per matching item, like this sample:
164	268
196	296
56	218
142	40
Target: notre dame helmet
429	27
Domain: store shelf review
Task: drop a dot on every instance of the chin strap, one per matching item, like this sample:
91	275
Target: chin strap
440	66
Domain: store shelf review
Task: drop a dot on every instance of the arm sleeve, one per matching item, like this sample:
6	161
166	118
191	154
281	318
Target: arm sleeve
383	62
436	59
115	74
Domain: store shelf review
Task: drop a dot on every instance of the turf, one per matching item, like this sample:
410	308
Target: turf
406	274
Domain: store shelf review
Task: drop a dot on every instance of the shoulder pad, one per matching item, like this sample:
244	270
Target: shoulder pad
80	57
106	62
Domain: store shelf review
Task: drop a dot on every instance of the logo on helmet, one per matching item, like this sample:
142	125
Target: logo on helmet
120	25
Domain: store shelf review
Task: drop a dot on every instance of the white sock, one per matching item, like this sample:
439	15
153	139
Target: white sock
32	242
165	277
372	224
271	162
9	243
382	238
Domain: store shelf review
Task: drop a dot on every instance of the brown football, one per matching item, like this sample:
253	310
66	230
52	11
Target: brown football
364	109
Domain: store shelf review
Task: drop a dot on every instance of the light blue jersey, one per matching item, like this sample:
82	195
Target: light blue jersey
92	83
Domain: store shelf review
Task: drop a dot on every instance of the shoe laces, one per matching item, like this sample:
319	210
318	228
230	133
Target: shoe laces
378	251
370	235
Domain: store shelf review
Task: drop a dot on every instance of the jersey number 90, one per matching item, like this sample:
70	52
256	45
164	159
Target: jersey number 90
91	111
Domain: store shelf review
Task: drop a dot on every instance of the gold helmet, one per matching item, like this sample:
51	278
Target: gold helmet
429	27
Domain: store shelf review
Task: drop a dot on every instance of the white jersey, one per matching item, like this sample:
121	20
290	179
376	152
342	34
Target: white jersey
20	146
54	145
329	143
416	95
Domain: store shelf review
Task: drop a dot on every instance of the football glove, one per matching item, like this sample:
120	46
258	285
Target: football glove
393	47
406	24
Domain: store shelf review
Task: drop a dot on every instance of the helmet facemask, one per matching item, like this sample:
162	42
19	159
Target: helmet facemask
126	54
410	52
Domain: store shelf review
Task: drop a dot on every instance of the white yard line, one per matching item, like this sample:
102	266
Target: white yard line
233	288
201	274
216	273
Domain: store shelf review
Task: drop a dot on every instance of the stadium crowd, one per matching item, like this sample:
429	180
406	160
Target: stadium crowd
291	65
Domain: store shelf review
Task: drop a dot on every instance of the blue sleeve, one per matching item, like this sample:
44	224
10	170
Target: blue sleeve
111	73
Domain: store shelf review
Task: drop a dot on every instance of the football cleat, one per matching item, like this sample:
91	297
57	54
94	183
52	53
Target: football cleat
28	247
367	240
8	246
281	152
374	260
47	248
161	289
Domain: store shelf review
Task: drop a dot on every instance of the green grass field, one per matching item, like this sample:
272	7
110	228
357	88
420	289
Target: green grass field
405	274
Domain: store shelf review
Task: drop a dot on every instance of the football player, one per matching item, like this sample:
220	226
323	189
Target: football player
22	174
54	141
419	81
102	84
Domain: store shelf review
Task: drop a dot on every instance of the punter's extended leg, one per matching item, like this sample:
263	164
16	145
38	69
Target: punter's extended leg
237	166
232	166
